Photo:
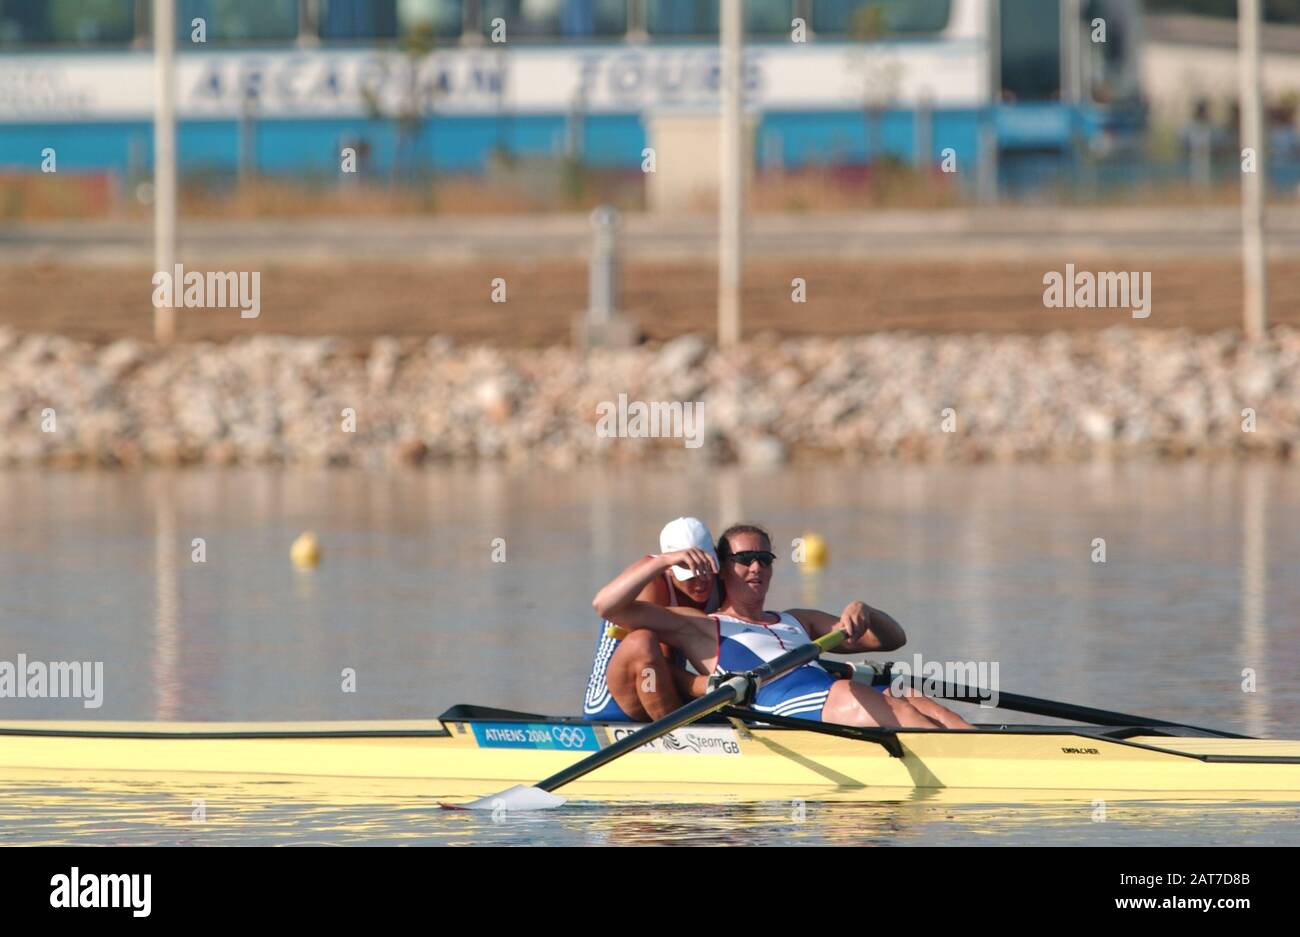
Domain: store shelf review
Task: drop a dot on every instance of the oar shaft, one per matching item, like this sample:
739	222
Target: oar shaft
1036	706
731	691
696	709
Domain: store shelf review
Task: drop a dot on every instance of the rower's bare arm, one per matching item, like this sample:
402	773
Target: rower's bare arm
677	626
628	585
638	581
869	628
690	685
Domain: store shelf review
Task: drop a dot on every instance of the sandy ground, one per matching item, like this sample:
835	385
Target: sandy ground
365	299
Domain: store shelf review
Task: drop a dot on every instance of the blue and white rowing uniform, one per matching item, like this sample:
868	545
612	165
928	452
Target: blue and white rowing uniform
599	704
744	645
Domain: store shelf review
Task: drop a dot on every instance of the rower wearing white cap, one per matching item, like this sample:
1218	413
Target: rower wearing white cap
634	677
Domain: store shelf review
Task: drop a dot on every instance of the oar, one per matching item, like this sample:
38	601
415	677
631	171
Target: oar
735	688
1037	706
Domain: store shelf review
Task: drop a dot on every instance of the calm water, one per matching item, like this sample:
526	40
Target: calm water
292	814
990	563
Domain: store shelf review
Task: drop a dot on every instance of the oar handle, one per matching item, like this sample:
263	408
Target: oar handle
831	640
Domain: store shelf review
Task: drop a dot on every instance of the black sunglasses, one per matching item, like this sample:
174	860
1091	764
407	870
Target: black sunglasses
746	557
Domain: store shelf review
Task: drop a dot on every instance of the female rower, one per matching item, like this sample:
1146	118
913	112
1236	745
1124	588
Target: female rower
742	634
634	677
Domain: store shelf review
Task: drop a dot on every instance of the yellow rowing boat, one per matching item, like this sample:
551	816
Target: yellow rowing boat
475	750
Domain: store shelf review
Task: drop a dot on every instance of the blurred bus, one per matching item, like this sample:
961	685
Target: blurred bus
906	79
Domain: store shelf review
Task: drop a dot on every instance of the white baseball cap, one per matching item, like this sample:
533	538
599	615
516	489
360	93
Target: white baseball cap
682	533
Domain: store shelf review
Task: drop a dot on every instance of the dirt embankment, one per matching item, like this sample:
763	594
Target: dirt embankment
364	300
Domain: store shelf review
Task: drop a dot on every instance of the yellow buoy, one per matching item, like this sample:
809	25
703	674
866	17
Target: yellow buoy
305	551
815	553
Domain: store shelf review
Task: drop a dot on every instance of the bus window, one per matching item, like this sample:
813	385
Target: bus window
556	19
690	18
1031	50
768	17
681	18
63	22
358	19
857	19
234	21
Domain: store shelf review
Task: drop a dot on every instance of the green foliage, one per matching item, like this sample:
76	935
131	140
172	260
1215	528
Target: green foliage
867	22
419	39
89	20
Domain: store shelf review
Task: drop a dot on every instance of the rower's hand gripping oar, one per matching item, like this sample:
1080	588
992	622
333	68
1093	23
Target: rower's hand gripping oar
733	689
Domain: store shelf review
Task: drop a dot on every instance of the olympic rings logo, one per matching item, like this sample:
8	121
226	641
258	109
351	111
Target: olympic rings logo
569	736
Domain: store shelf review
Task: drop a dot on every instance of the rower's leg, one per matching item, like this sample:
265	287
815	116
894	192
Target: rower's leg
906	709
935	710
854	704
640	678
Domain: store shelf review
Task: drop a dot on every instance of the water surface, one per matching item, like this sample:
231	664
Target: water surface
1193	616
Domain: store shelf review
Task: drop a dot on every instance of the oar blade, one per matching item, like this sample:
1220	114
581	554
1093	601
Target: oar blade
521	797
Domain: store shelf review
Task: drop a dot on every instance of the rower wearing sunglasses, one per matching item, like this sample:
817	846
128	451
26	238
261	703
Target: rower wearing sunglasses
742	634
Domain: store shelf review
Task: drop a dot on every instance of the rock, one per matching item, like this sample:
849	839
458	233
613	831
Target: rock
494	399
1255	379
1096	426
277	399
412	451
681	354
381	367
121	358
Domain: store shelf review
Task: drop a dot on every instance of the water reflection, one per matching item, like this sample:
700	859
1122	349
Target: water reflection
1253	639
166	679
984	563
291	813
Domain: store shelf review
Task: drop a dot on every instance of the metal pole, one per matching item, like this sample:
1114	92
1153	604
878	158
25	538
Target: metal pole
731	177
247	139
1255	273
164	160
987	172
575	122
602	275
1199	141
994	69
1071	54
1071	50
140	15
308	24
923	132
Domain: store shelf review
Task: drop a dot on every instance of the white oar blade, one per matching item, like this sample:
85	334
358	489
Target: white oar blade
519	797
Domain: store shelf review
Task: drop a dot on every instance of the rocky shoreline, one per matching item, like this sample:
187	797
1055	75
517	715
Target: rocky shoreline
270	400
